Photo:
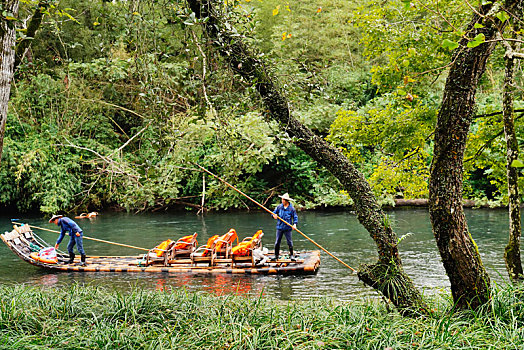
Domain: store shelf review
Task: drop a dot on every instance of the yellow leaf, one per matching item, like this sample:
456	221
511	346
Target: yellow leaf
287	8
284	35
408	79
275	11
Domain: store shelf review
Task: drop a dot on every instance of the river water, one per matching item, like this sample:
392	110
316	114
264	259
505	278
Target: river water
339	232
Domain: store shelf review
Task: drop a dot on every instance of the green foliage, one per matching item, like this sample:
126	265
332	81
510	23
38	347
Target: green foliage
116	101
393	138
316	55
37	175
399	37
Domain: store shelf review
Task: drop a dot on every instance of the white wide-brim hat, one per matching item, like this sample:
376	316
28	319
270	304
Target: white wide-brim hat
286	197
55	217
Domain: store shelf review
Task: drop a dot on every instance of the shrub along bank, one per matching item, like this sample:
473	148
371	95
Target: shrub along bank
95	318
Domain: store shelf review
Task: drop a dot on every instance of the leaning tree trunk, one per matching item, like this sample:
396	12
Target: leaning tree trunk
512	251
386	275
7	57
470	283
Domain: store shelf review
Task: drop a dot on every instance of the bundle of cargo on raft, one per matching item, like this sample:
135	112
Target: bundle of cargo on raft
220	255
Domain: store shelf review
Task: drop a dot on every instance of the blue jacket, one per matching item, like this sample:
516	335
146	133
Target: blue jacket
67	225
288	214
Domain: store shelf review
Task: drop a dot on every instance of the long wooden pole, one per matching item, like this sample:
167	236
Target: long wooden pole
270	212
90	238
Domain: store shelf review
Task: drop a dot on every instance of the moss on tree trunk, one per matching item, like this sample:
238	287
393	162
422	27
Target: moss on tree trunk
512	251
470	283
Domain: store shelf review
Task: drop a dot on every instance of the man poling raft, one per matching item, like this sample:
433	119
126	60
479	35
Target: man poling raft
269	211
287	213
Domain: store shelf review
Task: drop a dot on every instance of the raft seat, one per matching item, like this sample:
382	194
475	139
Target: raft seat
243	252
205	253
159	253
169	250
183	248
224	246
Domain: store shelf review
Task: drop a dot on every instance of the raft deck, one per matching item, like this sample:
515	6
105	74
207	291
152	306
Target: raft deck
22	241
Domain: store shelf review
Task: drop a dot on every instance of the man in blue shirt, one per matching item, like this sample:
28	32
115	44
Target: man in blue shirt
286	212
75	233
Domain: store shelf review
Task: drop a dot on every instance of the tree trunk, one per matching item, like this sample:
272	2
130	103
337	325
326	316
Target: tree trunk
470	283
387	275
7	57
30	33
512	251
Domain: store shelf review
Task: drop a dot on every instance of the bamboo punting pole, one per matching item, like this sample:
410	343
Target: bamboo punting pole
90	238
270	212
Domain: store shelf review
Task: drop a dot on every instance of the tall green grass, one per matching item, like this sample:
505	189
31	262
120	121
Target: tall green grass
95	318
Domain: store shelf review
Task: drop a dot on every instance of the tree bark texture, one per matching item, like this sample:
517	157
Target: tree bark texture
32	28
512	251
470	283
387	275
7	57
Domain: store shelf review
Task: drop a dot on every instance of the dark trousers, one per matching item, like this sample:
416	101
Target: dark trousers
79	244
280	233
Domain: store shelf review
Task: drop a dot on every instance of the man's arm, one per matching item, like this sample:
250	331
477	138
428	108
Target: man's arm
275	215
60	237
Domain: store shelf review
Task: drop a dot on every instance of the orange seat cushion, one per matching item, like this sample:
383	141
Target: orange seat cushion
185	242
209	244
242	249
162	246
228	238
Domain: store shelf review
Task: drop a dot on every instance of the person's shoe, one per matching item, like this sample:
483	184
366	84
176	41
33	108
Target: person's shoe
82	260
71	258
293	258
274	258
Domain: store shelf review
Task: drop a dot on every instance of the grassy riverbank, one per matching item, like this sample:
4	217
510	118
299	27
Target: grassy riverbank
95	318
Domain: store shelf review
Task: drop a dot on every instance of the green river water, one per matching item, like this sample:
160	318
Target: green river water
339	232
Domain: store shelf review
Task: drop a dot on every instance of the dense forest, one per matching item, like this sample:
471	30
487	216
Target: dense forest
114	102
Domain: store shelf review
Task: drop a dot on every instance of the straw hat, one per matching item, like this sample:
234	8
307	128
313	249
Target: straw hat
55	217
286	197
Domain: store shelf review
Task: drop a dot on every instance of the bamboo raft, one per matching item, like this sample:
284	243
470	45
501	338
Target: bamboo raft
22	241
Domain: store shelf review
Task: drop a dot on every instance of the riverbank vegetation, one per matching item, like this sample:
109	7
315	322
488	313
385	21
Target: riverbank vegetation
115	100
95	318
117	107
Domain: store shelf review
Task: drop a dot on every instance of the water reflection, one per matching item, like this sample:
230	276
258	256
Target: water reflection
339	232
48	280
